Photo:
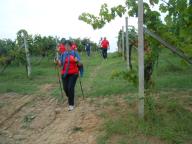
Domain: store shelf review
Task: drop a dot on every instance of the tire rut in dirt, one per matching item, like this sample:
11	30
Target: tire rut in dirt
13	107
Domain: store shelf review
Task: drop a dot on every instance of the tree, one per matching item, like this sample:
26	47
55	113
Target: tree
178	24
105	16
82	42
6	53
190	2
43	46
175	28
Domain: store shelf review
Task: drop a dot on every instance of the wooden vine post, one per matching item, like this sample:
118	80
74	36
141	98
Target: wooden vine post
141	59
123	43
22	34
127	43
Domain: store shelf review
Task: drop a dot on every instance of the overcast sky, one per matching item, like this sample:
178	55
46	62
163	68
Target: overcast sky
57	17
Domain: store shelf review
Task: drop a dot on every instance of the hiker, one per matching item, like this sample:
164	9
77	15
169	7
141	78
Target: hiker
61	47
69	61
74	46
105	47
88	49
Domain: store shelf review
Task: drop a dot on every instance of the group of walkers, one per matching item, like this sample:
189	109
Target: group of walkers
71	66
104	46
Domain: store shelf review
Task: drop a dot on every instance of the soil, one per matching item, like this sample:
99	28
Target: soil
35	120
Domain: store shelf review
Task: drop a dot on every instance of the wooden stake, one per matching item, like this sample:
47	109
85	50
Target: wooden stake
123	43
141	59
127	42
27	57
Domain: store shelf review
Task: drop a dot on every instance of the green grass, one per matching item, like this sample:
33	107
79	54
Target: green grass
14	79
97	81
168	122
102	84
171	73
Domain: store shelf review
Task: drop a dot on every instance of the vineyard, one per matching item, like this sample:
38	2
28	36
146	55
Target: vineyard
142	93
32	108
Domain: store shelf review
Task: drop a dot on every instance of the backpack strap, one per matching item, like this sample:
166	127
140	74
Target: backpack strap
63	58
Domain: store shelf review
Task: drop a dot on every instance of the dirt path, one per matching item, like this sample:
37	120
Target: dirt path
42	121
76	127
13	103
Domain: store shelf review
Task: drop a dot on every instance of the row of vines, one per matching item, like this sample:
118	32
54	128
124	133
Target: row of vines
13	51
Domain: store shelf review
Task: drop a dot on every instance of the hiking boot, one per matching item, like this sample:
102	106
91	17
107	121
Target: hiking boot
70	108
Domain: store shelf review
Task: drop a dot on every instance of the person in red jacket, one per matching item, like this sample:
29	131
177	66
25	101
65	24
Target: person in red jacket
61	47
74	46
105	47
69	61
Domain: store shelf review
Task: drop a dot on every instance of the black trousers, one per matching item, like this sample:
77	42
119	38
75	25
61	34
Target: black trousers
69	83
88	52
104	53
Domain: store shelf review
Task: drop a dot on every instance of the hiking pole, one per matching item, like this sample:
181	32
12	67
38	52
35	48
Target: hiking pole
81	88
57	69
59	79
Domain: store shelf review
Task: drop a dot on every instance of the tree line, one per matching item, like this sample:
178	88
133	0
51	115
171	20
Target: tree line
13	51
